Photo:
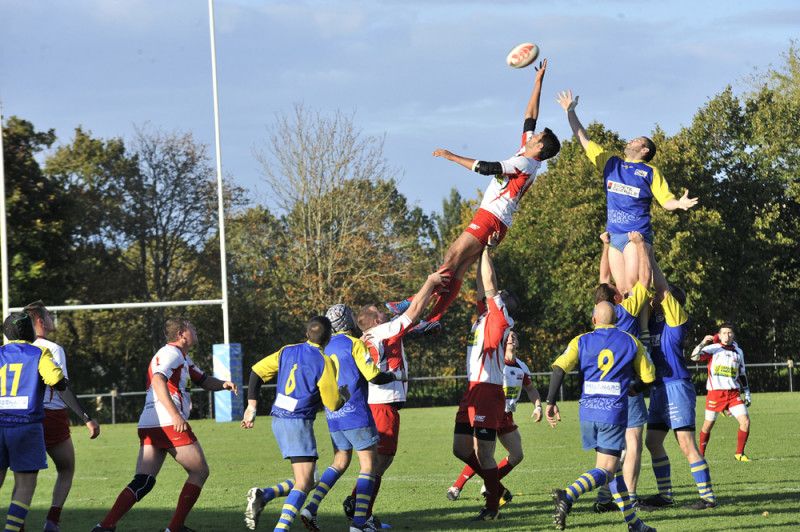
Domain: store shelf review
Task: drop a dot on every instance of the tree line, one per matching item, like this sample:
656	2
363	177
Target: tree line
111	220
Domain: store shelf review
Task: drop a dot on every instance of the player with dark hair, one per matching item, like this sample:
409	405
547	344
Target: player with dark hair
631	183
482	408
56	424
726	376
511	179
306	378
516	378
27	368
608	360
352	426
164	429
673	401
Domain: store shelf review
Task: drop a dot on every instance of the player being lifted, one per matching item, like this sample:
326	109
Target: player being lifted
631	183
511	179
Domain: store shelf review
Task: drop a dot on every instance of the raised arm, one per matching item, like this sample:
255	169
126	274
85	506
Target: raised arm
480	284
487	274
605	266
532	111
568	104
420	300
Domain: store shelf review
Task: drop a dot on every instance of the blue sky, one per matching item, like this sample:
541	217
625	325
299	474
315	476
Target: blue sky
426	74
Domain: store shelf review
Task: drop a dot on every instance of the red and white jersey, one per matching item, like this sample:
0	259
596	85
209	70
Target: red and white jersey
725	365
504	191
180	372
52	401
385	345
516	376
486	345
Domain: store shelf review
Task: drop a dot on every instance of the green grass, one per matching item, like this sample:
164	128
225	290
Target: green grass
412	496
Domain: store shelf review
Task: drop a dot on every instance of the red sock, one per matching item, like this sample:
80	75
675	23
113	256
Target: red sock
444	300
491	480
741	440
375	489
473	462
704	436
504	468
54	514
186	500
125	502
466	474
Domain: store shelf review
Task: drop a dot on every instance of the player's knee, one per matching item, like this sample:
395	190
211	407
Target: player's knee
201	473
515	457
141	485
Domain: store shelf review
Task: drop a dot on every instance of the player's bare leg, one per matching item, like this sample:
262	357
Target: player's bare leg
63	456
193	460
150	460
632	465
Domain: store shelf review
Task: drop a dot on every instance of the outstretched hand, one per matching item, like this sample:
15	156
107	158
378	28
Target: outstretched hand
686	202
567	102
540	70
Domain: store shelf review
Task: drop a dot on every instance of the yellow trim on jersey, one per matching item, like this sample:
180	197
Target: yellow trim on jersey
642	364
51	374
674	314
597	155
570	357
363	360
328	387
639	297
267	367
659	187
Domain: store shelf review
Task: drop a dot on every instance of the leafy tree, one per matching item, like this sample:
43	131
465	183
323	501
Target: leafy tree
38	215
348	235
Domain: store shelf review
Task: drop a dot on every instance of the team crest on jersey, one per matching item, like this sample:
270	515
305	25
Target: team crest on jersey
622	188
473	338
640	173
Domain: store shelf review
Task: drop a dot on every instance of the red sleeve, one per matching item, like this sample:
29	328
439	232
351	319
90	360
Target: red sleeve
195	374
481	307
373	353
526	380
496	325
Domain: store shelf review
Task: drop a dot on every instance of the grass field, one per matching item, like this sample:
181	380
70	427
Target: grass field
412	496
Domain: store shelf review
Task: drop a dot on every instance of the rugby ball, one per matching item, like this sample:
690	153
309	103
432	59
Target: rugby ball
522	55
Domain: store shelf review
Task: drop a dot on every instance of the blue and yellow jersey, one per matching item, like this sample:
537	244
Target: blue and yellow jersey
628	311
25	369
306	378
667	339
355	367
607	360
630	189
